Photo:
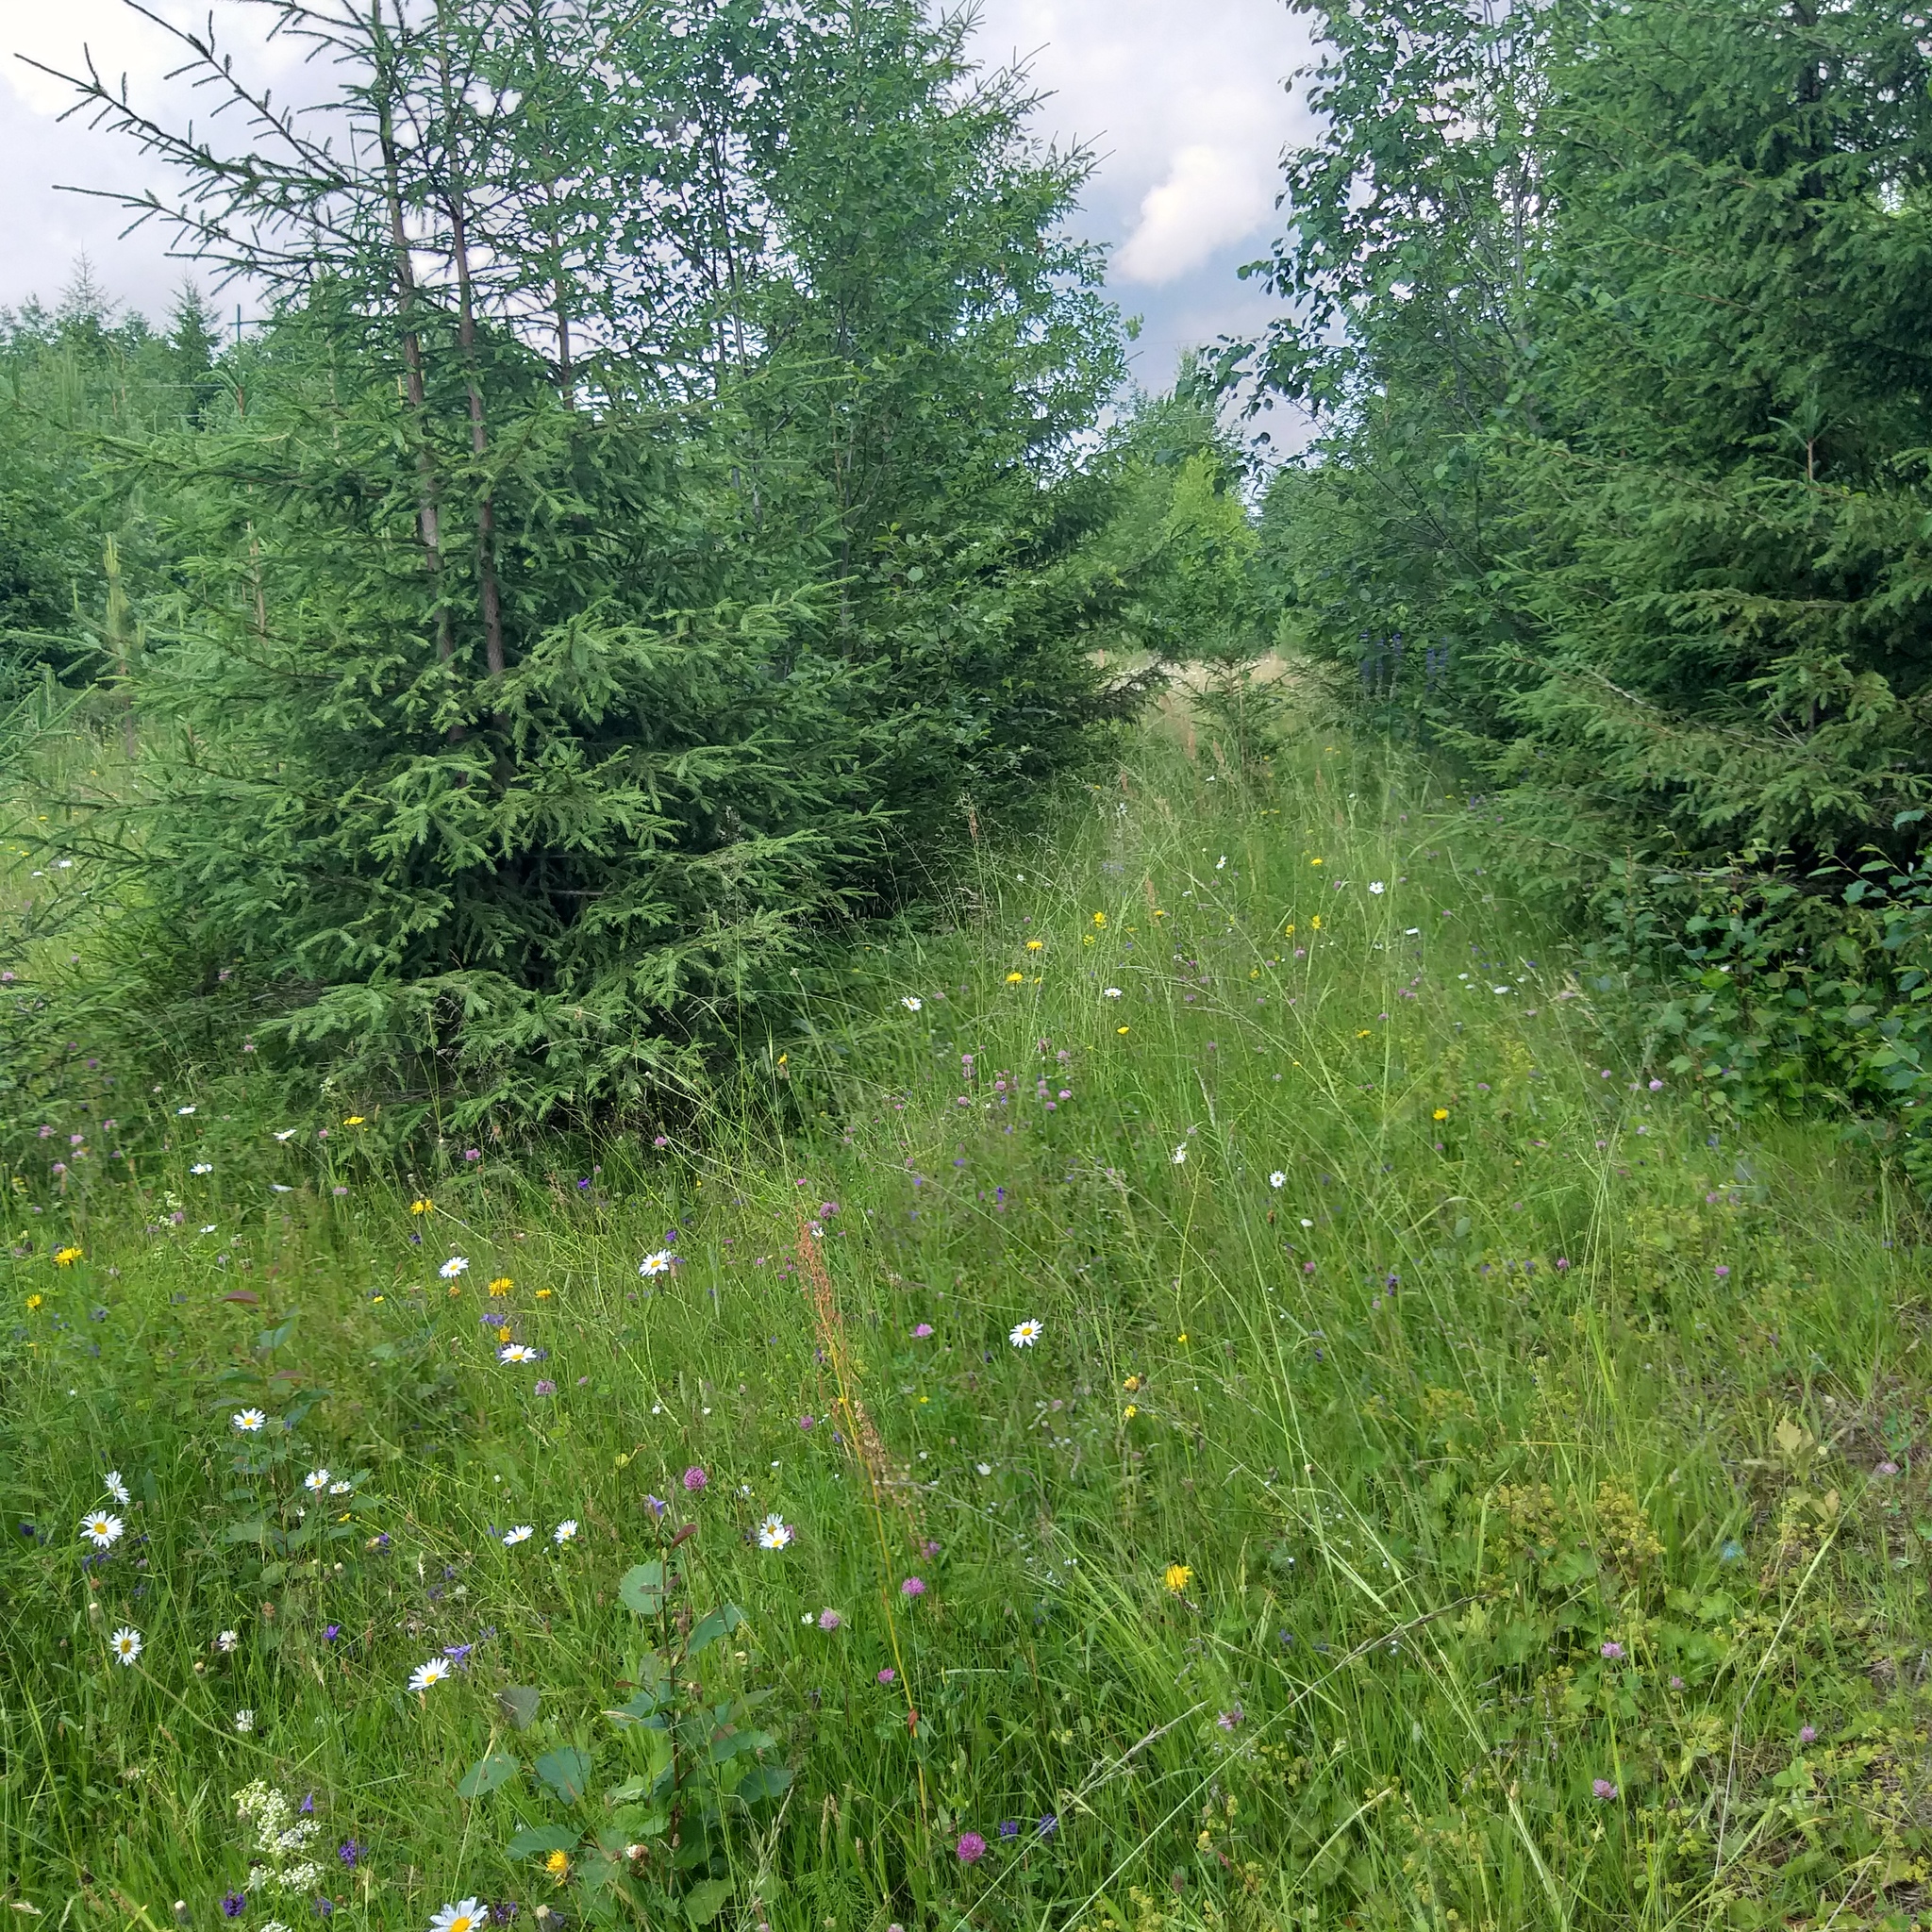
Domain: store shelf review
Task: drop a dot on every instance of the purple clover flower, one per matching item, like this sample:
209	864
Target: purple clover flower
970	1848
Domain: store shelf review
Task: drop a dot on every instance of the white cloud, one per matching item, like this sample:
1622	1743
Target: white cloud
1211	196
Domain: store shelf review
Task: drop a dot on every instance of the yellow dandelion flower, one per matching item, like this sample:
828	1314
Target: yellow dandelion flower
1314	861
1100	919
1128	1413
1131	1385
1441	1113
558	1865
1015	978
543	1294
1361	1033
1120	1029
1176	1577
35	1301
353	1120
454	1290
502	1285
502	1335
423	1206
66	1258
1316	923
1035	945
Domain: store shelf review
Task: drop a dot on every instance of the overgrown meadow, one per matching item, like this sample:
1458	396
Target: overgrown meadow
1253	1403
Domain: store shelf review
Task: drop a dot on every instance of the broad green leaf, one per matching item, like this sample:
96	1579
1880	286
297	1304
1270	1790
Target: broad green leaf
518	1702
492	1769
644	1587
763	1781
534	1839
707	1630
702	1903
567	1771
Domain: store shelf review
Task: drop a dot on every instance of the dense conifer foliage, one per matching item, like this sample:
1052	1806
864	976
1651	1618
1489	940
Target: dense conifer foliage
1612	320
648	527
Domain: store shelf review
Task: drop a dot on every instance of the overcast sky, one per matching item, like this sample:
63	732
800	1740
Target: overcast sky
1181	100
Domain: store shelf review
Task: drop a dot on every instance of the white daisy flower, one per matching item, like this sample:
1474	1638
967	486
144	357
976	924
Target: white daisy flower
659	1263
184	1112
516	1351
202	1167
1111	992
521	1534
315	1481
286	1133
456	1265
911	1002
1179	1157
775	1533
564	1532
244	1721
1221	861
126	1644
340	1488
209	1228
424	1674
1025	1333
102	1530
1376	886
226	1642
113	1485
460	1918
249	1421
1278	1179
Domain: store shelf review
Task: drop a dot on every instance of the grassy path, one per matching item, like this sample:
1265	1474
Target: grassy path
1272	1419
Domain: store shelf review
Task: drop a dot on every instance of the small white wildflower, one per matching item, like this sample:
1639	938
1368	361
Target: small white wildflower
456	1265
1111	992
775	1533
1376	886
659	1263
126	1644
226	1642
516	1351
1278	1179
202	1167
1025	1333
100	1529
184	1112
911	1002
244	1721
249	1421
564	1532
433	1672
1179	1156
315	1481
521	1534
286	1133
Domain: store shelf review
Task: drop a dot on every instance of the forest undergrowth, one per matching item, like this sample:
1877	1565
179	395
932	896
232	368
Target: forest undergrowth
1239	1398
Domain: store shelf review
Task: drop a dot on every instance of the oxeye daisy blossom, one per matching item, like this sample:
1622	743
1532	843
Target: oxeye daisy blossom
516	1351
340	1488
202	1167
1278	1179
564	1532
1026	1333
433	1672
126	1643
316	1481
113	1485
456	1265
249	1421
464	1917
659	1263
775	1533
521	1534
100	1529
911	1002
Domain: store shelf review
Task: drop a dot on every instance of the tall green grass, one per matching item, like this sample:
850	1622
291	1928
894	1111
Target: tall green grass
1458	1481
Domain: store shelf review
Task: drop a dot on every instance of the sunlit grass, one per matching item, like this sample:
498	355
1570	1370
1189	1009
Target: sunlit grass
1522	1357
